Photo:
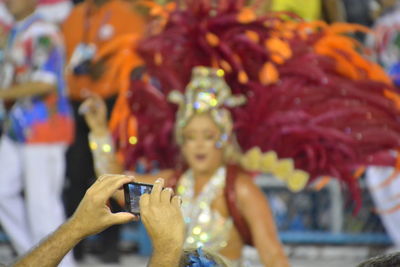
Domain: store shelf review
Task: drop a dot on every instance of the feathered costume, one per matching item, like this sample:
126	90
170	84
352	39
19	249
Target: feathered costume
315	106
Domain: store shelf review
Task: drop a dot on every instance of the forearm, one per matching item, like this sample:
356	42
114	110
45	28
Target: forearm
271	253
275	258
26	90
107	162
255	208
51	251
104	155
165	257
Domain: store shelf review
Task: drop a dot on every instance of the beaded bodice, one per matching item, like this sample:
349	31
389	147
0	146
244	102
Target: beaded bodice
205	227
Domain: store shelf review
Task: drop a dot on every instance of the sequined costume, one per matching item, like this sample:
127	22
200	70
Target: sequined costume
205	227
314	106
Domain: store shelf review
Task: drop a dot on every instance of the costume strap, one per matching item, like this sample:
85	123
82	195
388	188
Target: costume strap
230	196
174	179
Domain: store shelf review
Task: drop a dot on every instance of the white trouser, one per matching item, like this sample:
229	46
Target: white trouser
386	198
38	170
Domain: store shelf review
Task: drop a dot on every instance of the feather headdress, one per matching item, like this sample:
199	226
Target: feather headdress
314	105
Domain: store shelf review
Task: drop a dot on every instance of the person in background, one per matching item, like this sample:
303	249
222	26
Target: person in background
160	213
384	41
333	11
37	128
55	11
92	25
5	19
328	10
312	10
358	11
383	182
5	24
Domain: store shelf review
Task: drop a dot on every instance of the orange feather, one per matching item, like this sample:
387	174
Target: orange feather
268	74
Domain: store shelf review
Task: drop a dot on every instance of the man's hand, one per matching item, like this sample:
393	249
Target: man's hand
93	215
161	215
95	112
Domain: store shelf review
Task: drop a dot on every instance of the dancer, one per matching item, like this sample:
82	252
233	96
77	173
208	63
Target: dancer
305	104
204	132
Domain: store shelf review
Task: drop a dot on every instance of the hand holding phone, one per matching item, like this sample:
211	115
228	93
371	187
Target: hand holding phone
133	192
162	217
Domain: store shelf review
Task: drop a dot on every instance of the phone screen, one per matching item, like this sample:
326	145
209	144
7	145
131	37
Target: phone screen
132	192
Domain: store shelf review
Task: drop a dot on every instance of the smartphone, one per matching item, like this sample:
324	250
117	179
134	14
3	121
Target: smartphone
132	192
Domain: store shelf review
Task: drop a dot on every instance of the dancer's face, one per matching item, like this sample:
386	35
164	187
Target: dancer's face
199	148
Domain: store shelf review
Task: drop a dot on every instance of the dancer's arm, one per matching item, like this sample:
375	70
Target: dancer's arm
256	211
105	159
101	144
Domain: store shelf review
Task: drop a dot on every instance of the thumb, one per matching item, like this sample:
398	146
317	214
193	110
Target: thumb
122	217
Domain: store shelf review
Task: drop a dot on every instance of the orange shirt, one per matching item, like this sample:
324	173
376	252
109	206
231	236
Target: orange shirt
97	25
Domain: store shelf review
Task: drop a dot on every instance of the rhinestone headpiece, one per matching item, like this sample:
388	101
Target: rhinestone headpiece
206	92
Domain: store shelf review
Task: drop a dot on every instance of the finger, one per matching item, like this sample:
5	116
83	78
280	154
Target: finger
122	217
119	197
110	185
97	101
176	201
91	104
90	94
95	108
85	107
106	176
155	192
144	201
96	186
133	179
166	195
113	180
96	98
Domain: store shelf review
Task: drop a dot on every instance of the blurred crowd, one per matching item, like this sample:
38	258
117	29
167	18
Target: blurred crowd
46	53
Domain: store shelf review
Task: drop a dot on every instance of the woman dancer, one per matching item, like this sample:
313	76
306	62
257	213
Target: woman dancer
311	100
204	134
